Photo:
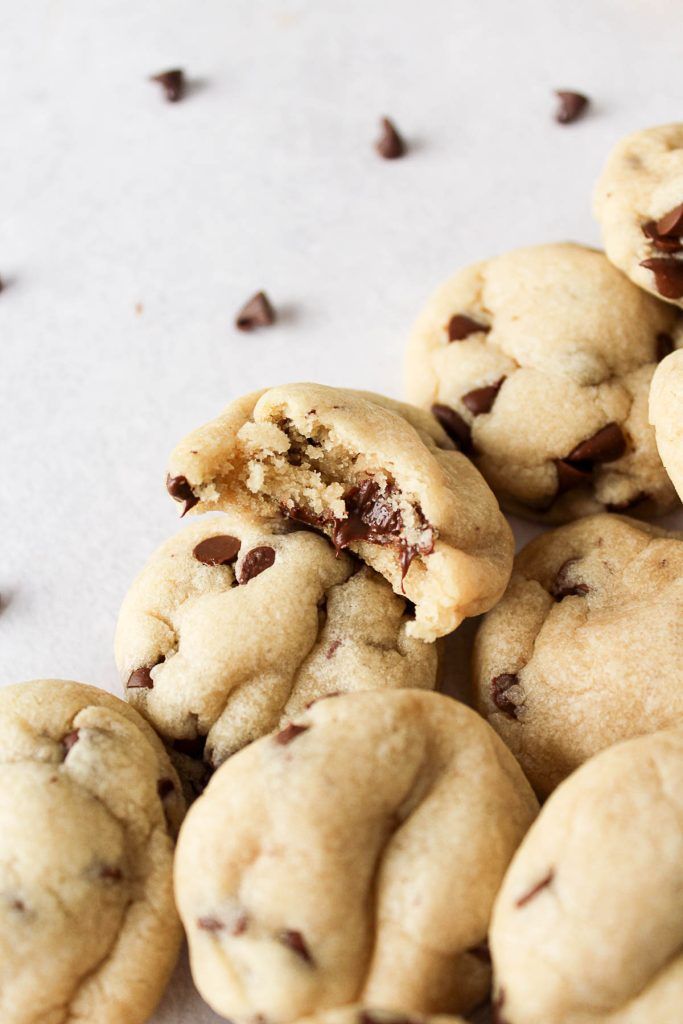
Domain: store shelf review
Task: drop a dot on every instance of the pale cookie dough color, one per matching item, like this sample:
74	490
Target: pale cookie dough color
370	1015
88	806
352	857
586	647
666	415
638	203
378	477
233	627
538	363
588	926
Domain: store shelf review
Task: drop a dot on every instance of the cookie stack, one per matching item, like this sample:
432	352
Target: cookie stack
366	850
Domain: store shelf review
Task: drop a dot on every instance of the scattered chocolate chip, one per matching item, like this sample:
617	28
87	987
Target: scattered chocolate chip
569	476
389	145
255	562
523	900
664	243
499	687
220	550
110	874
141	678
296	942
70	740
607	445
461	326
665	345
668	273
563	586
570	107
210	924
481	400
179	489
257	312
481	952
172	82
671	223
334	646
164	788
289	733
455	426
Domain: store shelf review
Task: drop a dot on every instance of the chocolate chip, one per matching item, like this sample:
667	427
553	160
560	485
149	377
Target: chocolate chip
570	107
671	223
70	740
389	145
257	312
289	733
141	678
664	243
179	489
165	787
481	400
172	82
210	924
569	476
461	326
523	900
562	585
607	445
255	562
110	874
455	426
668	273
219	550
296	942
499	687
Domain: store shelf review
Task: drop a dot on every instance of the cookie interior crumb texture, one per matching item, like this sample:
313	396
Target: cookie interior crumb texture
88	810
354	856
666	415
378	477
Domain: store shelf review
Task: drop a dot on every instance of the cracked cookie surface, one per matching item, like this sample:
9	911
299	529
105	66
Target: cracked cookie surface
88	807
588	925
586	646
378	477
538	363
234	626
352	857
638	203
666	415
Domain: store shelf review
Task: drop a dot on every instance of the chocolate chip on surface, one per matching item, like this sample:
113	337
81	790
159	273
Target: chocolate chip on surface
289	733
179	489
671	223
668	273
569	476
389	145
563	586
296	942
219	550
534	891
172	82
255	562
499	687
455	426
141	678
571	106
481	400
607	445
256	312
461	327
664	243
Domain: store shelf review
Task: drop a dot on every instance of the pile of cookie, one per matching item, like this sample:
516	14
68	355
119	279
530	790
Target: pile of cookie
368	850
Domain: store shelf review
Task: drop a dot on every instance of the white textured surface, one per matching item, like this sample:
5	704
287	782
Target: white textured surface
264	177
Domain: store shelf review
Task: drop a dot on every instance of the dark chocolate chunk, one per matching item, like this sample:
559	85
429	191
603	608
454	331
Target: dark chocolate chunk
389	145
570	107
668	273
664	243
481	400
255	562
165	787
499	687
220	550
141	678
671	223
455	426
569	476
289	733
179	489
607	445
257	312
296	942
563	586
70	740
534	891
665	345
172	82
461	326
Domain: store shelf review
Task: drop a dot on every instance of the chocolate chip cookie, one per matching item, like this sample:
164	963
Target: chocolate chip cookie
538	364
378	477
588	926
639	204
586	647
88	806
666	415
235	626
352	857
